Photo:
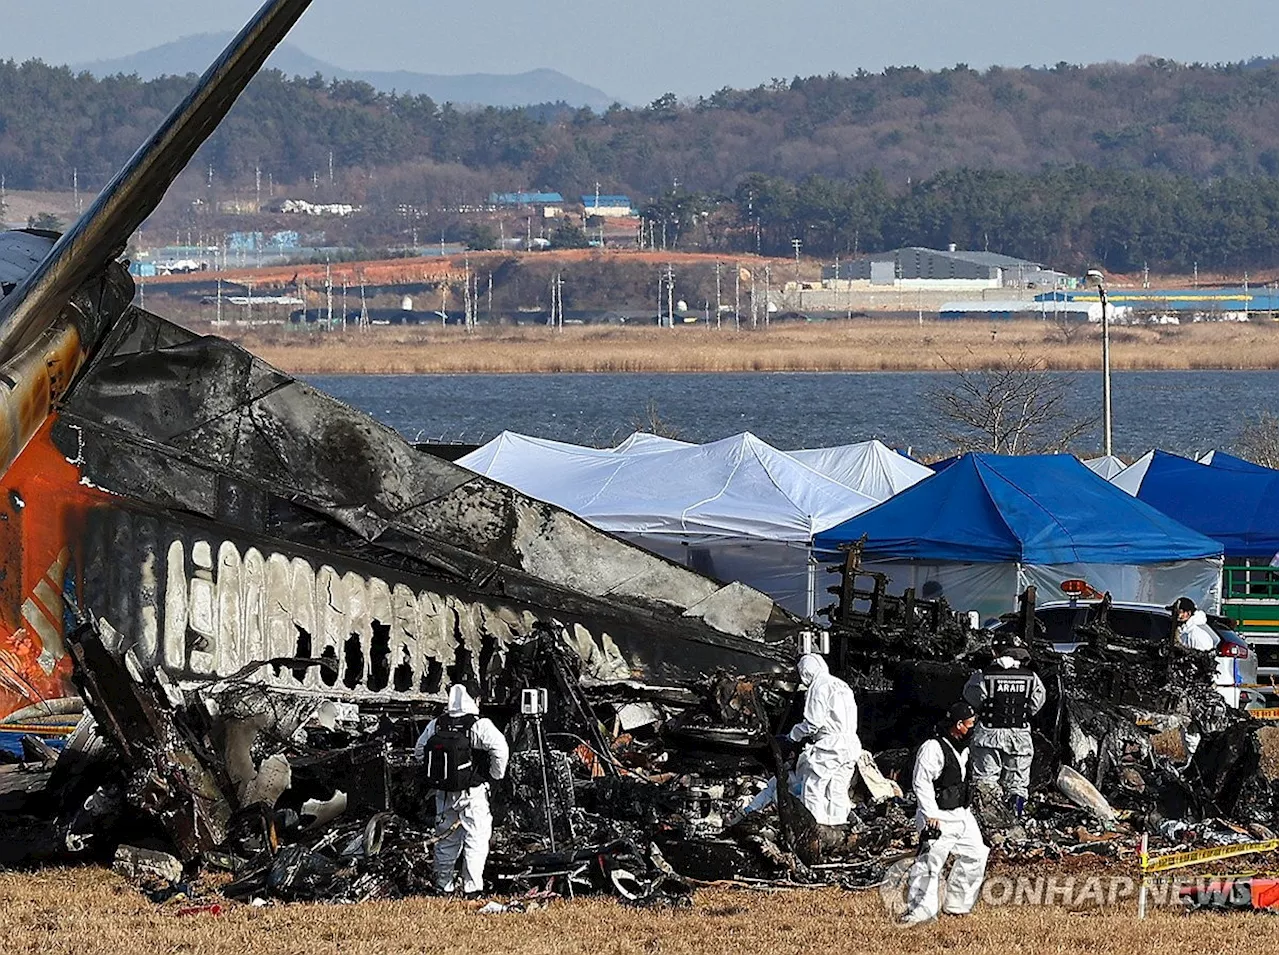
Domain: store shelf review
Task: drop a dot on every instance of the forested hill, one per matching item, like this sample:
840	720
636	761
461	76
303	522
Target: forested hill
1158	116
1148	163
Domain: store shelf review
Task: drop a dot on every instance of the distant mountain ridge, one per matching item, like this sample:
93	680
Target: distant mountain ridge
192	54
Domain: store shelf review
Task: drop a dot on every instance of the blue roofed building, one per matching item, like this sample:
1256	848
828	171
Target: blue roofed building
607	207
1238	302
547	204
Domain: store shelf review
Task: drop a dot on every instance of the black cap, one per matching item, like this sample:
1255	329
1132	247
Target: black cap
958	712
1181	604
1005	640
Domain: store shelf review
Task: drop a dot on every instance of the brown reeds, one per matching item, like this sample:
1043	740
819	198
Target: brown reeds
64	911
856	345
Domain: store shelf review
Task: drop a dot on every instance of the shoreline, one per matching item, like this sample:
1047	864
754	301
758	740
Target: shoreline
860	346
307	373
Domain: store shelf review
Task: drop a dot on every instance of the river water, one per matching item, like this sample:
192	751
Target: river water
1180	411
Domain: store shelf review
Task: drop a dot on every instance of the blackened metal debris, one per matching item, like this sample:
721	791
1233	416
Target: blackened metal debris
304	799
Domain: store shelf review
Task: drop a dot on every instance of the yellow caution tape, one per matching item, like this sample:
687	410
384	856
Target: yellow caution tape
37	729
1268	714
1177	860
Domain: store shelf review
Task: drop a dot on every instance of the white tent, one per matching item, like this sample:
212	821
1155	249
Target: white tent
868	467
646	441
1106	466
736	509
1130	479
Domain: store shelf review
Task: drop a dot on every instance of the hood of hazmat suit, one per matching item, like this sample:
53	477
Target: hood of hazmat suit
810	667
460	702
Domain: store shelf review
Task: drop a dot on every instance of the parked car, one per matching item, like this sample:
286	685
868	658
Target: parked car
1237	665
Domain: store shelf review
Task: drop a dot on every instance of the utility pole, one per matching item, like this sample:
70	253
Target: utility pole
466	292
767	279
717	294
328	295
737	296
344	303
75	188
795	244
489	305
217	314
330	167
257	188
1095	276
475	299
754	301
671	293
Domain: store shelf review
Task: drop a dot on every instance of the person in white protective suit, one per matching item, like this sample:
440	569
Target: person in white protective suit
1194	631
829	733
946	825
461	753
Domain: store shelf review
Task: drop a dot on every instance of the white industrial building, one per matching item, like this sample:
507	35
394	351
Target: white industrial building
915	267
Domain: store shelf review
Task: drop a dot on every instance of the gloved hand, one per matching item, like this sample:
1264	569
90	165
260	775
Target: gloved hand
932	830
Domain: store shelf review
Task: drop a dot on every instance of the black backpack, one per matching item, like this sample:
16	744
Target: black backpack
447	759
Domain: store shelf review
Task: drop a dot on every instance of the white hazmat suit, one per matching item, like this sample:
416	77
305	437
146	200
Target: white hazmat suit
960	837
1194	633
466	813
830	727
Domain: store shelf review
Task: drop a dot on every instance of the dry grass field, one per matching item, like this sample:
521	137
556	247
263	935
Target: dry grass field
857	345
68	911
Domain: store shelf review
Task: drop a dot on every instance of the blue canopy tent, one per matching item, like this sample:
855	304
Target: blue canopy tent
989	525
1229	499
1229	462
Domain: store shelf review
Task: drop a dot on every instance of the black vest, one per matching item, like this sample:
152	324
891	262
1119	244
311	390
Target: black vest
950	789
1008	702
450	764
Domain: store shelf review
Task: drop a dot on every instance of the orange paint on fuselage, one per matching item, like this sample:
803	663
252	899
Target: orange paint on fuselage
42	513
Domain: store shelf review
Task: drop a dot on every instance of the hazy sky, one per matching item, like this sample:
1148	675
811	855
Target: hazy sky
639	50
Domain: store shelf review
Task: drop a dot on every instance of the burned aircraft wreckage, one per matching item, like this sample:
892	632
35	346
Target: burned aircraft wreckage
259	596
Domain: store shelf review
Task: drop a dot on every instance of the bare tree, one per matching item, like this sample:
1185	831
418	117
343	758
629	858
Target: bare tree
1259	439
1068	327
1019	408
652	422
